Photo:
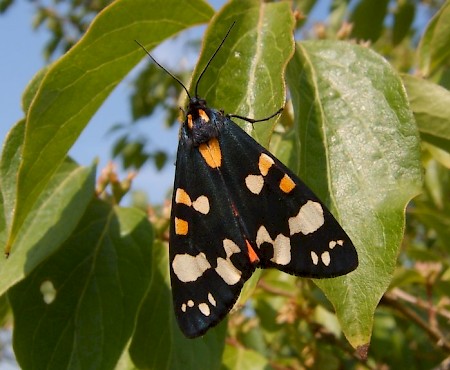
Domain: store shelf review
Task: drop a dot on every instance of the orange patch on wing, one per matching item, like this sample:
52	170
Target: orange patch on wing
264	164
251	253
286	184
203	115
211	153
181	226
190	123
182	197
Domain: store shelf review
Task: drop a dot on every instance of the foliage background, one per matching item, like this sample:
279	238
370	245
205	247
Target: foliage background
73	257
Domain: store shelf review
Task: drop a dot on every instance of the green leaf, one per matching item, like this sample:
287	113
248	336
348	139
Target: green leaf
437	186
360	154
403	19
245	78
3	227
238	358
433	51
9	166
76	85
32	88
368	18
440	155
430	104
285	147
52	218
5	311
125	362
151	345
78	308
158	342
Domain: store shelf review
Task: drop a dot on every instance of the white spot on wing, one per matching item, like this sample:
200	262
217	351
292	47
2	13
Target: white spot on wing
262	236
326	258
308	220
334	243
281	246
190	303
201	204
314	258
183	307
230	247
225	268
254	183
204	309
189	268
281	250
211	299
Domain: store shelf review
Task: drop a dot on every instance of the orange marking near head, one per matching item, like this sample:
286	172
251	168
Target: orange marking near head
251	253
181	226
182	197
203	115
211	153
265	162
189	119
286	184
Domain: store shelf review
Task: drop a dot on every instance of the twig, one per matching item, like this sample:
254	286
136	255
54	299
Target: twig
268	288
397	293
392	301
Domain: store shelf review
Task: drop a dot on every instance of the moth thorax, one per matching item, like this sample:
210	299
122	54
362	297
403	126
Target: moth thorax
201	127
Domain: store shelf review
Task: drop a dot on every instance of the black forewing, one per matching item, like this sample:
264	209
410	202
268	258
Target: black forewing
272	208
206	235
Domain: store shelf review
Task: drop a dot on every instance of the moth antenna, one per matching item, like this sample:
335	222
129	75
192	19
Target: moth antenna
164	69
212	57
252	120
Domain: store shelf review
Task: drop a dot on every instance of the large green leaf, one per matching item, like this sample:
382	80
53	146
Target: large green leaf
430	104
433	51
53	216
77	84
78	308
360	153
245	78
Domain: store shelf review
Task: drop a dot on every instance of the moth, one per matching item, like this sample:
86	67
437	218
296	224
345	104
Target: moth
235	208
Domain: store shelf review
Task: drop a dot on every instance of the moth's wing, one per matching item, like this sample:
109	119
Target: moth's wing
289	227
209	259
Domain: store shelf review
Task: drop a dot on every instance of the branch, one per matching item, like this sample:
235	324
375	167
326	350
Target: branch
391	300
397	293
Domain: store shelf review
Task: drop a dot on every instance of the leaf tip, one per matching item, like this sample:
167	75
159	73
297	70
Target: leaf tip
362	351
